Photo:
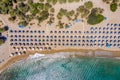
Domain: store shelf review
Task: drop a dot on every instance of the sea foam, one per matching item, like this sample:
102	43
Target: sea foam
36	55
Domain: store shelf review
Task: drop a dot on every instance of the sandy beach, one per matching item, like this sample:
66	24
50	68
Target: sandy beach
86	51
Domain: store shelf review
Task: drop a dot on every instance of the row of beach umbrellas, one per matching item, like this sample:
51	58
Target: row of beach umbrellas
62	36
113	24
31	48
104	38
65	44
92	30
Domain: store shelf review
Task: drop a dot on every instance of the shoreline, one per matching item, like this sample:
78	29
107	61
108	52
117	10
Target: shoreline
83	53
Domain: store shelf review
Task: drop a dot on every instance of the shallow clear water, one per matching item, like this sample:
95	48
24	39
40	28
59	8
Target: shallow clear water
67	68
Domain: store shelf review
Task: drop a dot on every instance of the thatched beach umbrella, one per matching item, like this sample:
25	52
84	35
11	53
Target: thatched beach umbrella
16	36
11	36
55	32
24	52
11	31
51	44
43	31
15	31
23	31
37	48
27	31
49	48
59	31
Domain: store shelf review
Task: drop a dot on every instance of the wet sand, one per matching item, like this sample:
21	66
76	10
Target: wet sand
83	53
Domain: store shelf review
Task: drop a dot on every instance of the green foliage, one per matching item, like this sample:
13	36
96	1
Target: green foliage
23	23
40	6
88	5
54	2
70	1
49	1
5	6
115	1
52	10
47	6
26	10
1	41
62	1
60	24
41	0
71	13
76	0
34	9
81	9
2	30
12	18
95	19
30	2
23	7
113	7
29	17
44	16
59	15
113	4
85	13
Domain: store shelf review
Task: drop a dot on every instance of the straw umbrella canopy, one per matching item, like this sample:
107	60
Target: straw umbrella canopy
115	24
49	48
59	32
119	32
40	44
30	48
11	40
11	36
15	44
79	32
79	44
11	31
24	52
16	53
111	28
115	28
111	24
107	24
115	32
37	48
23	31
118	37
36	44
55	32
11	44
45	48
16	36
51	44
27	31
43	31
15	31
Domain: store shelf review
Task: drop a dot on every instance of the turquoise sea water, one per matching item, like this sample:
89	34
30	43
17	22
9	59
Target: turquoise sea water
63	68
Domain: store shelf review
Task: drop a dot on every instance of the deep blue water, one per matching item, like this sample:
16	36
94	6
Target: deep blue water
69	68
